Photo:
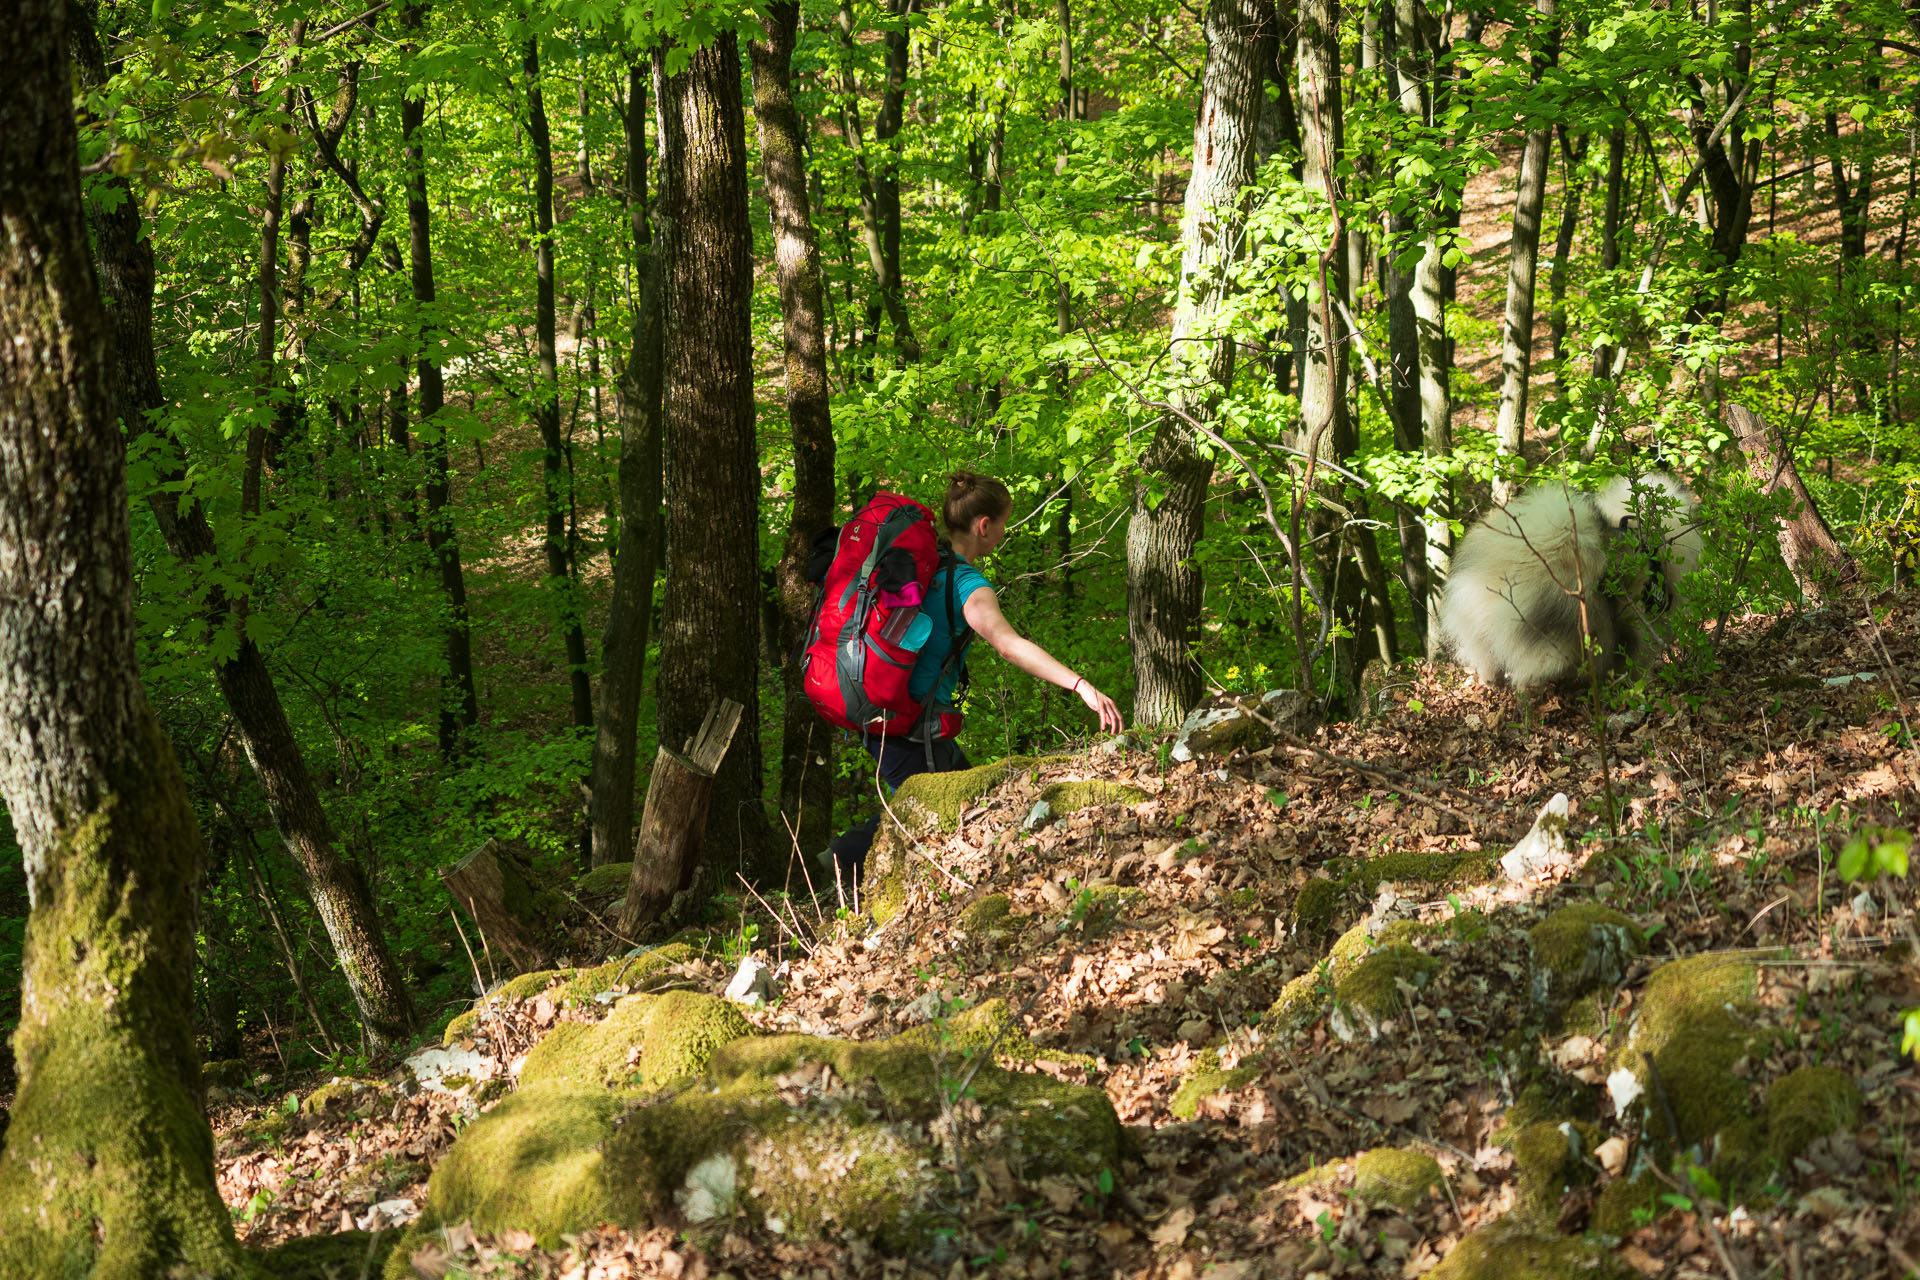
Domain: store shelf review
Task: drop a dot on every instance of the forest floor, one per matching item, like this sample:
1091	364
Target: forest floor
1147	945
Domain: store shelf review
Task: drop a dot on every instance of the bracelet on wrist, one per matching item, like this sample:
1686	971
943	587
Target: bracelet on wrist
1077	682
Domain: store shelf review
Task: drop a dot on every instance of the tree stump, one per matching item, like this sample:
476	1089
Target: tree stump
497	889
673	827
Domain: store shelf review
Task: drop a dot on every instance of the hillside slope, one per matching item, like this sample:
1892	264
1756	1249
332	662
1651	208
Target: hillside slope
1338	1037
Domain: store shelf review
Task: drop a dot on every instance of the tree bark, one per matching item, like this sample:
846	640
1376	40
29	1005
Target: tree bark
496	886
459	699
1326	428
806	774
1563	252
1610	228
1523	260
267	284
712	587
1416	331
666	856
107	1167
334	882
1163	583
1815	558
623	648
546	403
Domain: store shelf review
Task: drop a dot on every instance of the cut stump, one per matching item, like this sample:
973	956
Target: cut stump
674	826
495	884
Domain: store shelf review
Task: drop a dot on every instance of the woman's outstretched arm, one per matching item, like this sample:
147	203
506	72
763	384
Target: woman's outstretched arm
982	612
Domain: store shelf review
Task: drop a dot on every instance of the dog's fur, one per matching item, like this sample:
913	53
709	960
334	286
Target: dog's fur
1511	611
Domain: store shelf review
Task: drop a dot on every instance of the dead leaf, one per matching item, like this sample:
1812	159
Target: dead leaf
1172	1233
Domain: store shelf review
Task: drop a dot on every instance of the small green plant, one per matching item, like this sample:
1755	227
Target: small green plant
1883	855
741	944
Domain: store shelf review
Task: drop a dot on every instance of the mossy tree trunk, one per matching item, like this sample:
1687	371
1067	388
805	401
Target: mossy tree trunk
1163	583
334	882
806	770
108	1164
712	588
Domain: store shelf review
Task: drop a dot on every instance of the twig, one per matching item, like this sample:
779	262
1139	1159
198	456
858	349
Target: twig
794	930
479	983
594	916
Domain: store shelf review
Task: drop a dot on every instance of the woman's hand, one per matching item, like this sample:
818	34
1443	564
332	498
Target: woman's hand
1100	704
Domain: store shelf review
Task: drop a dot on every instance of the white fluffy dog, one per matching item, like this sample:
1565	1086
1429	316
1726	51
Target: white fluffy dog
1511	611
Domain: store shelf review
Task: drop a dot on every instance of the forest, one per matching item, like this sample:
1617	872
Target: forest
417	420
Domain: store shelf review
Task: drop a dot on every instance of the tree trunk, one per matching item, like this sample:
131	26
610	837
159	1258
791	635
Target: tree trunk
886	178
1563	252
806	774
712	587
267	283
1326	430
1610	228
623	648
339	893
1416	334
1163	583
1817	561
459	700
108	1164
1523	259
546	407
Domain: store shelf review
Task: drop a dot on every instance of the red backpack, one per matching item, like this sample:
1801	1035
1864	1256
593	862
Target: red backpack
868	629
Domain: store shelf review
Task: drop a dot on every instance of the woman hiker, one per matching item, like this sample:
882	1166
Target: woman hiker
975	514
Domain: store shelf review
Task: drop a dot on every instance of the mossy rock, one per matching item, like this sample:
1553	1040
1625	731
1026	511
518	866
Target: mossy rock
1404	866
229	1073
926	802
1394	1177
575	986
1809	1103
1548	1158
1301	1000
1368	994
991	914
1626	1204
604	884
345	1093
1579	948
1206	1079
1510	1250
533	1162
646	1042
1071	797
344	1255
991	1023
1694	1021
1314	906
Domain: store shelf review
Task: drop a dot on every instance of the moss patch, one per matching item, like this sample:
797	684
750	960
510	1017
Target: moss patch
604	884
1441	870
1204	1080
1508	1250
1390	1176
1369	993
1624	1200
1071	797
343	1093
1809	1103
1694	1023
1314	905
925	801
345	1255
532	1162
1579	948
988	915
855	1146
575	986
1548	1157
646	1042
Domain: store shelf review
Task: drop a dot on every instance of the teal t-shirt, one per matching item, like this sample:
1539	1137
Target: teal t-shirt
966	581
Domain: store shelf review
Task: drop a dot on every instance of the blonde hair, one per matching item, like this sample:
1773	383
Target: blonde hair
971	495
